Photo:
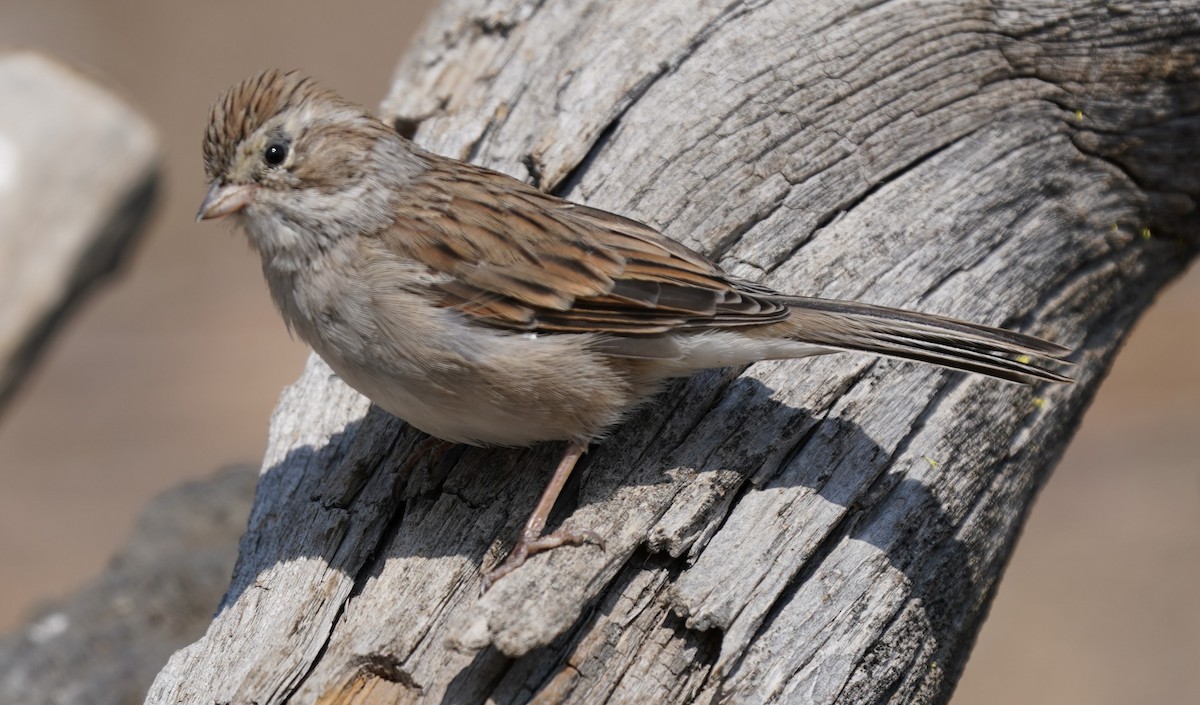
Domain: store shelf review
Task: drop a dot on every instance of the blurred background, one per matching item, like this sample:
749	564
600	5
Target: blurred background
172	372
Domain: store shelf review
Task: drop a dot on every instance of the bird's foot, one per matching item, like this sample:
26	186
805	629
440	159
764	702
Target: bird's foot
532	545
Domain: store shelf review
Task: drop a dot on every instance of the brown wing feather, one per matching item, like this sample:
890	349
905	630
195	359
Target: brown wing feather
523	259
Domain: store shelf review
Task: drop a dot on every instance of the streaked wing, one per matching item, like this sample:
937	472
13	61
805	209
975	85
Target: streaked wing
519	258
510	256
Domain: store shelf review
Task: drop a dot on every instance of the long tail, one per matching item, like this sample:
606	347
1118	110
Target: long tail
848	325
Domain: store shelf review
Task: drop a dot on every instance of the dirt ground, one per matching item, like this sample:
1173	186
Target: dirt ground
173	371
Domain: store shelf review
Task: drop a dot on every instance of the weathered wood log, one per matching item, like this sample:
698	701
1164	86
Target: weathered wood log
821	531
78	169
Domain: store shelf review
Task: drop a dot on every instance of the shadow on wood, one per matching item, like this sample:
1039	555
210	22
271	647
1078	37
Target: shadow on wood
828	530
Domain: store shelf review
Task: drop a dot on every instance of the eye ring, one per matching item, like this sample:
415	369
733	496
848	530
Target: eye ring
275	153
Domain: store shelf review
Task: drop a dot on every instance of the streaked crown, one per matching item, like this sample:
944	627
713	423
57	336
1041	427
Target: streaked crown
245	107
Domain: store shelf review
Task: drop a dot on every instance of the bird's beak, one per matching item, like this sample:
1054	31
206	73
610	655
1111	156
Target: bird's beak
223	199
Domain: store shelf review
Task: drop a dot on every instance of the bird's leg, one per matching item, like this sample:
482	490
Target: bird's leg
427	448
532	540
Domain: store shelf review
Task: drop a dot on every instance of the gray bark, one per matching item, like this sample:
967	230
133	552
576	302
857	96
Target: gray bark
829	530
78	169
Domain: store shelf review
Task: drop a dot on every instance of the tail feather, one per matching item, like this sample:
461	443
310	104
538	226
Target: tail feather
848	325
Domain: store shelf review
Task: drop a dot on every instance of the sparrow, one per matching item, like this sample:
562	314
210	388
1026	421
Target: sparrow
483	311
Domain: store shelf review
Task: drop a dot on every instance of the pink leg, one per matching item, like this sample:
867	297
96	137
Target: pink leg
532	541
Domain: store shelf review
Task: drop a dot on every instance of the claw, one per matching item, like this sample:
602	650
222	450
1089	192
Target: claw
533	545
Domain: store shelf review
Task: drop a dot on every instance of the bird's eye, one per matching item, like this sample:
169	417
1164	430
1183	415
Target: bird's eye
275	153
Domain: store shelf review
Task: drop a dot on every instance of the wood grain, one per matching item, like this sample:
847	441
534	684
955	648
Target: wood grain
829	530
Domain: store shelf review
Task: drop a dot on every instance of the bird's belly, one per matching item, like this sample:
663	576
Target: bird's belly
456	380
457	415
506	398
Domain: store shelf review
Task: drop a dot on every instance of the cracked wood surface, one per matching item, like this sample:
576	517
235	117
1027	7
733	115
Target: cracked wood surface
827	530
